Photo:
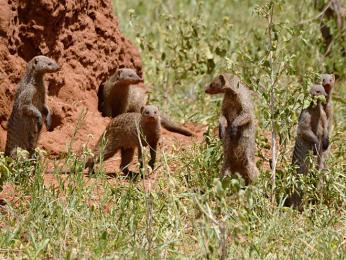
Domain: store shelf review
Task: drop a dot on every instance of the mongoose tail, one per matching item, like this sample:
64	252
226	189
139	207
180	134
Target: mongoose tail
173	127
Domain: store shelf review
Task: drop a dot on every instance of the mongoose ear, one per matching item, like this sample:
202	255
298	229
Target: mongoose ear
142	108
35	61
333	76
222	79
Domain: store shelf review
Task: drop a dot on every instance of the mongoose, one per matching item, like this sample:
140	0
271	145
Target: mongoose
25	122
137	98
130	99
312	131
127	132
312	136
115	89
237	127
331	10
328	82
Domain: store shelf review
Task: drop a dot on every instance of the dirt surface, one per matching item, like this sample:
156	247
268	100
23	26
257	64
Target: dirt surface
84	38
54	169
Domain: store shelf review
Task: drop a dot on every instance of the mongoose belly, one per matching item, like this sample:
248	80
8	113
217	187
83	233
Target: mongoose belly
23	133
301	151
240	149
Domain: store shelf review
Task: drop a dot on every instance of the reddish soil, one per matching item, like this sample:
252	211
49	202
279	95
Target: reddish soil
111	166
84	38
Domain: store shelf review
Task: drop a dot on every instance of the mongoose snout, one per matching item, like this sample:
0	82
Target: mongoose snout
328	81
216	86
128	76
318	90
44	64
150	113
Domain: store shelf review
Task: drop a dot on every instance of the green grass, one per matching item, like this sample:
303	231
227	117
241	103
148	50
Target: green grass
190	213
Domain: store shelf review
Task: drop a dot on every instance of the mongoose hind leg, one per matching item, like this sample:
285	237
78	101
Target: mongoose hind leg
250	173
107	108
320	160
153	148
46	112
32	111
126	159
294	200
225	171
222	126
109	150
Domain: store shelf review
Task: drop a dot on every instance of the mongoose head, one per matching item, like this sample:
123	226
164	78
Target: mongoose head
318	93
223	83
328	81
42	64
128	76
150	113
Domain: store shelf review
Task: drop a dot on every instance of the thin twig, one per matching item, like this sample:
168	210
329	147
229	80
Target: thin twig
319	16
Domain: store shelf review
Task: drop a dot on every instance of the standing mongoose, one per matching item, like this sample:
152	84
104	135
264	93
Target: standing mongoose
114	91
119	98
312	137
312	131
127	132
25	122
237	127
328	82
331	10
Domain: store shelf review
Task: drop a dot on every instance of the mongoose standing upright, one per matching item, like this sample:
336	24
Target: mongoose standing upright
312	131
312	136
328	82
121	98
127	132
25	122
115	89
237	127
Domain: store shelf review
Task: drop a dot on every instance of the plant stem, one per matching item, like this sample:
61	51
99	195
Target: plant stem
272	98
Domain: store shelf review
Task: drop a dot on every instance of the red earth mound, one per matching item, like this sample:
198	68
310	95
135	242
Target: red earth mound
83	37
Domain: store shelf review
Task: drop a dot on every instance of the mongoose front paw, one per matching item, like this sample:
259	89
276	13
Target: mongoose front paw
233	131
221	132
39	122
315	149
325	143
152	164
49	121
